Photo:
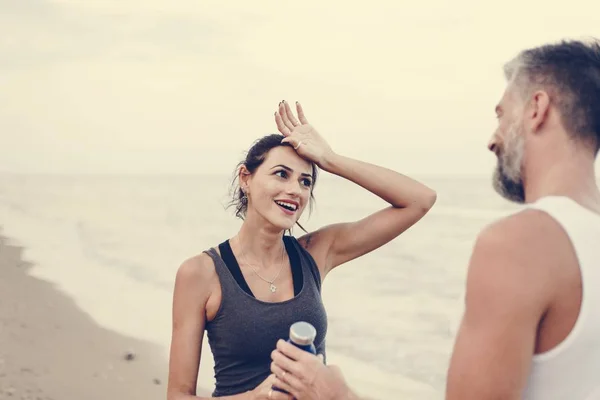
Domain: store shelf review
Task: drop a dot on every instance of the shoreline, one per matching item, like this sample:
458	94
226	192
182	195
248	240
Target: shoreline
53	350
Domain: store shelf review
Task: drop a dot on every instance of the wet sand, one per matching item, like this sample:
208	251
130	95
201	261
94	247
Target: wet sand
51	350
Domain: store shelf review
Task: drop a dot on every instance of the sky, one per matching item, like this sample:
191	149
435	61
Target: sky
186	86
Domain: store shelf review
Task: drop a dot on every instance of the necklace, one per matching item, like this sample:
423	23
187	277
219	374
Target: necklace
271	283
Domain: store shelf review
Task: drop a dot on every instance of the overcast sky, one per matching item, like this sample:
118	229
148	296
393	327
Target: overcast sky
149	86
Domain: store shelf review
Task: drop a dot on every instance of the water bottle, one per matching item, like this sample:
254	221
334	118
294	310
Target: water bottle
302	335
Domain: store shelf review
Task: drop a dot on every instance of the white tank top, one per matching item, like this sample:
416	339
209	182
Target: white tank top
571	370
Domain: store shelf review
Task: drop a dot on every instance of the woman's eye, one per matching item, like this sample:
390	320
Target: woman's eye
281	174
307	182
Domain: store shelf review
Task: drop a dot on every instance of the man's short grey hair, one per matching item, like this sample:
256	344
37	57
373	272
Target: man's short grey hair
569	71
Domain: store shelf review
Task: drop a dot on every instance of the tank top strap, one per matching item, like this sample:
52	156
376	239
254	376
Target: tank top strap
227	281
307	261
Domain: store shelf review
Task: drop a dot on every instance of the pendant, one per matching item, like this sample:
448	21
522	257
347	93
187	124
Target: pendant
273	288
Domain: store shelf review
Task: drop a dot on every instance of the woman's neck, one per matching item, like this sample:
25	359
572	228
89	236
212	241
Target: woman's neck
259	244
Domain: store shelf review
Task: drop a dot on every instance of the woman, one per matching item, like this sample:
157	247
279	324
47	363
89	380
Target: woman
247	291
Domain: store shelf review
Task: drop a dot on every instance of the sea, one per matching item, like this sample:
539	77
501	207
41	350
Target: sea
114	243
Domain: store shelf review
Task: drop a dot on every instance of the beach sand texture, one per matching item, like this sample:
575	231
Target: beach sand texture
51	350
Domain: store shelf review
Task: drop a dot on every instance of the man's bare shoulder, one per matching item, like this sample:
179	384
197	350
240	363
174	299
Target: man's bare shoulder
512	259
525	234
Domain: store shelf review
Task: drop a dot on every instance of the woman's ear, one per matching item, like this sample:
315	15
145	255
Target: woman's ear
244	177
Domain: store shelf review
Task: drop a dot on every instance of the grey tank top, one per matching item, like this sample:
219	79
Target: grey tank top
245	329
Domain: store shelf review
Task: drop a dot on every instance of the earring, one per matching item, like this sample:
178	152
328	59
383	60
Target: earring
244	199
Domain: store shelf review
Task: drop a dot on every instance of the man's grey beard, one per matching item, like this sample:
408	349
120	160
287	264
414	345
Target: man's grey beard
508	179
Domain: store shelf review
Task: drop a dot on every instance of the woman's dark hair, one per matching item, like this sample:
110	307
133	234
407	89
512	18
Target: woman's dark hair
254	158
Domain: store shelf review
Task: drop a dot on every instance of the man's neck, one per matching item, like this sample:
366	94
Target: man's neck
570	173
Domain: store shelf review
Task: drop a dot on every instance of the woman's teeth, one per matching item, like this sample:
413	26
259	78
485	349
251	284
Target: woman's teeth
287	206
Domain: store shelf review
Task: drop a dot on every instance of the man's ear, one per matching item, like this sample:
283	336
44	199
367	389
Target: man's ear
538	111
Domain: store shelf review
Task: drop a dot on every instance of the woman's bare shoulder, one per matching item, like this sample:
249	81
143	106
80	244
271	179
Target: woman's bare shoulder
197	272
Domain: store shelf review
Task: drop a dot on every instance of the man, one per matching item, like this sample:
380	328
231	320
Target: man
531	327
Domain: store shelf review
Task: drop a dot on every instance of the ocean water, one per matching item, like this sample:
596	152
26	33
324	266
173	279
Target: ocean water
114	244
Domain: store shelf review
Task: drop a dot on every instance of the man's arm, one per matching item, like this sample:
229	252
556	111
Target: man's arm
507	295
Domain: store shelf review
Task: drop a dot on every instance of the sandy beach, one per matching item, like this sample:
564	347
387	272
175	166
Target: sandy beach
51	350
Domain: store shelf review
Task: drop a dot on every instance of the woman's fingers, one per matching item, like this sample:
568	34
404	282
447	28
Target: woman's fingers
293	141
290	115
285	117
289	380
276	395
279	384
300	112
268	392
285	131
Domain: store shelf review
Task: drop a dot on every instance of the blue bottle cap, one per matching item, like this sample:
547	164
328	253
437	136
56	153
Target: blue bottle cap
302	333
